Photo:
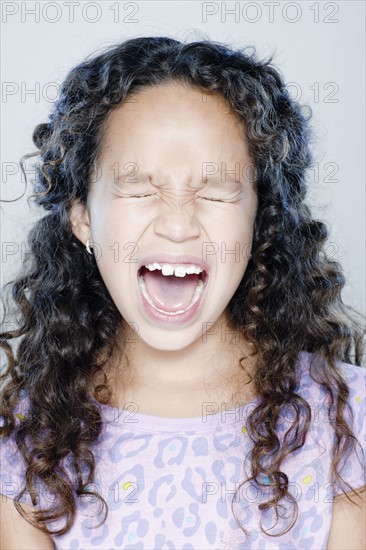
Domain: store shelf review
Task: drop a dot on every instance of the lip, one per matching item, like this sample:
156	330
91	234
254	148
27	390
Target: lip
174	320
173	259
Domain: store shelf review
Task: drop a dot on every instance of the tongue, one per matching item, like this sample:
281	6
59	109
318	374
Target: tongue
169	292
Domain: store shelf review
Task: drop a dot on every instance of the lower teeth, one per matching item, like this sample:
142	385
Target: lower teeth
195	298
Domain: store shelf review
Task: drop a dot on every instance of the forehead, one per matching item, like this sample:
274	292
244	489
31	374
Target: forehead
172	112
177	96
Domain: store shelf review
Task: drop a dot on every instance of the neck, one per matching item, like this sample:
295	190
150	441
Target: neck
208	368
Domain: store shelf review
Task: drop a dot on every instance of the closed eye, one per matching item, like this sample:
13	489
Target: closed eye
151	194
142	196
209	199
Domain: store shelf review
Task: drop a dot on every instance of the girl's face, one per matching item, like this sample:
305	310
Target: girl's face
174	177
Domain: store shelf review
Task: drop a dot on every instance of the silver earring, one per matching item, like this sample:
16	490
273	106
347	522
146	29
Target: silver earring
87	246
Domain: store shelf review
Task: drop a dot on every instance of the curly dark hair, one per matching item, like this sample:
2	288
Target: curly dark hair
289	299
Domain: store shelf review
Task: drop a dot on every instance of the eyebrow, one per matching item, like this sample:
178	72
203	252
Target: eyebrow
143	176
217	178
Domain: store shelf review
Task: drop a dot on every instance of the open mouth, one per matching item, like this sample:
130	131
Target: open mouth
172	289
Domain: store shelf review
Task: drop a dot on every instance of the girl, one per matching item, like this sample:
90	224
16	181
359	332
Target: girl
187	375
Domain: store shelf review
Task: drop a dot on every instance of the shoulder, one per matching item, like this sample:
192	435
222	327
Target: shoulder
22	406
311	378
353	462
13	466
355	377
356	380
312	389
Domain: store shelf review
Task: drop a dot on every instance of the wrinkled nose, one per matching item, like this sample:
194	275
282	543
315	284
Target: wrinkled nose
178	224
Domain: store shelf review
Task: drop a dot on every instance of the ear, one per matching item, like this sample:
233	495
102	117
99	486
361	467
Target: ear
80	221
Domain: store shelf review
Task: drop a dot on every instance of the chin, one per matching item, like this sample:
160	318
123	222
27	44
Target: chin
164	341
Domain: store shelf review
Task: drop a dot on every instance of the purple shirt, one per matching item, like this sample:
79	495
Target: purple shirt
169	482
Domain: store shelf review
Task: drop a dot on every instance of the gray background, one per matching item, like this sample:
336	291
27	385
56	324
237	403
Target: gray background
319	48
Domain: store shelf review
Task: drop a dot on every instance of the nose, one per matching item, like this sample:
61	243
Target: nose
178	224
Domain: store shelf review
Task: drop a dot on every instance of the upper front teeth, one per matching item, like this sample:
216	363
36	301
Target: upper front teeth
179	271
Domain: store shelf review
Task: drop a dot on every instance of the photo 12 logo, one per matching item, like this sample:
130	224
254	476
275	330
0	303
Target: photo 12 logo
70	12
270	12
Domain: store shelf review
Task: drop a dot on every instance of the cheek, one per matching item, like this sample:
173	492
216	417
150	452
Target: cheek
115	227
231	231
